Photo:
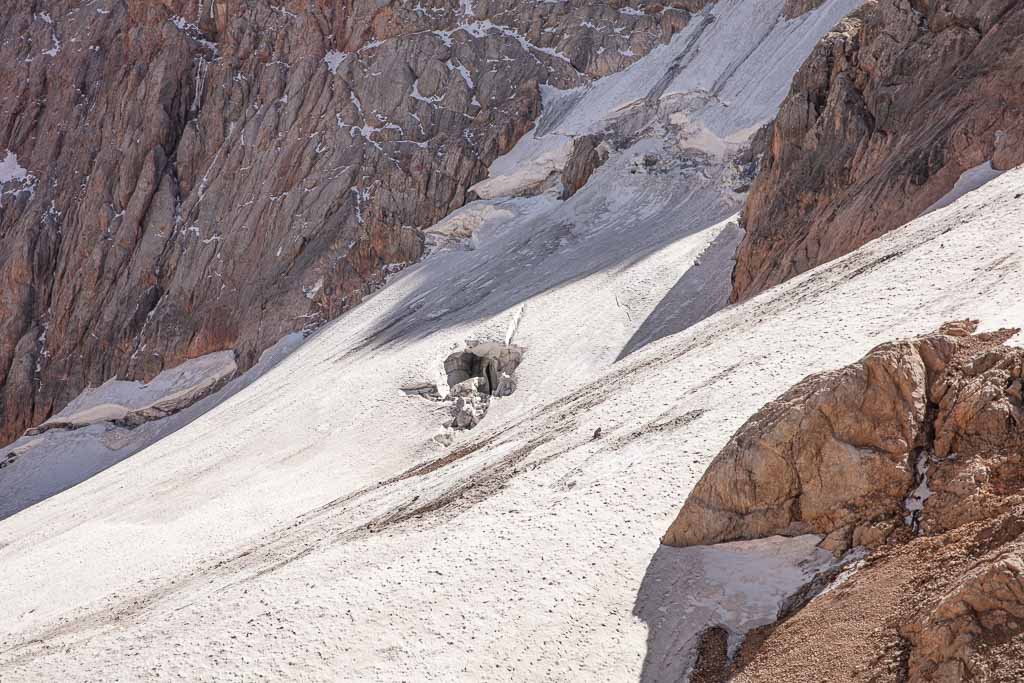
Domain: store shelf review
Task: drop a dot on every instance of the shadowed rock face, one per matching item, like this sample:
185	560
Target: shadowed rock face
841	453
882	119
795	8
207	175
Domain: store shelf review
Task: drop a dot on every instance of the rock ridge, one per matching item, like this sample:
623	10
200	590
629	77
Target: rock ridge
889	111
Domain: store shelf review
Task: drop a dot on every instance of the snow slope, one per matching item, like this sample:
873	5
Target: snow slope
532	555
109	423
315	525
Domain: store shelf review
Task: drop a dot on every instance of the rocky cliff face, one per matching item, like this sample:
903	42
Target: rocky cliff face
915	451
891	108
841	453
183	177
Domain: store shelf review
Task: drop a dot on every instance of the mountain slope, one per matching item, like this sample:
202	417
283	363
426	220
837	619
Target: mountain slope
675	125
894	105
526	556
196	176
572	282
324	520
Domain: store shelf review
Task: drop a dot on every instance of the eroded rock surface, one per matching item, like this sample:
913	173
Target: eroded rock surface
916	452
883	118
180	178
840	453
474	376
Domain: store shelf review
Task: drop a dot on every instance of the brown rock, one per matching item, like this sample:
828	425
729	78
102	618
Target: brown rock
839	454
942	596
586	156
795	8
215	175
944	608
888	111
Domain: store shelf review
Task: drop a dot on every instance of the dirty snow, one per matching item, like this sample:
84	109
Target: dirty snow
311	526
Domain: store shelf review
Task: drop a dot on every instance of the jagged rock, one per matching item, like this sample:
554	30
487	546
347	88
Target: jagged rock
586	156
492	364
893	105
840	453
269	166
470	403
941	598
986	604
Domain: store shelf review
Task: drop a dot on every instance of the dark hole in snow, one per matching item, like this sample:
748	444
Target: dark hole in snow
492	365
475	375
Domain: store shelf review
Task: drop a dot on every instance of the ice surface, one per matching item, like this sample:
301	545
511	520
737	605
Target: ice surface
84	441
740	586
311	526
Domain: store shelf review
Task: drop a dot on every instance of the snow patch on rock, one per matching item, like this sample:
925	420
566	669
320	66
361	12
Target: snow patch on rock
12	172
969	181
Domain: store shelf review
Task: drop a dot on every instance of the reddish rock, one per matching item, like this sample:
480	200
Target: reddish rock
841	453
889	110
215	175
917	453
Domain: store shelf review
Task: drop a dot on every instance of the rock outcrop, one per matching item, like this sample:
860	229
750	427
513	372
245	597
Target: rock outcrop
915	452
842	452
587	155
938	608
179	178
894	104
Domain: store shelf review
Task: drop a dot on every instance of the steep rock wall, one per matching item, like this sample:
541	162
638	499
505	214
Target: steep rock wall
891	108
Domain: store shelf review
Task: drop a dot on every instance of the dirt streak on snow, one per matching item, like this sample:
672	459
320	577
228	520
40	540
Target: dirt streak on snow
542	567
310	526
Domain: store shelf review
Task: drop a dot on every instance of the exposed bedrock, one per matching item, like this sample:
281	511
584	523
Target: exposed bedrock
917	453
202	176
923	434
587	155
893	105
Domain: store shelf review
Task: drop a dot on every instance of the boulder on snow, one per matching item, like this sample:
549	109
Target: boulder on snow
841	453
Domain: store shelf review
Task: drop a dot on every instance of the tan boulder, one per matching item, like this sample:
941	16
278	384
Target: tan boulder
840	453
